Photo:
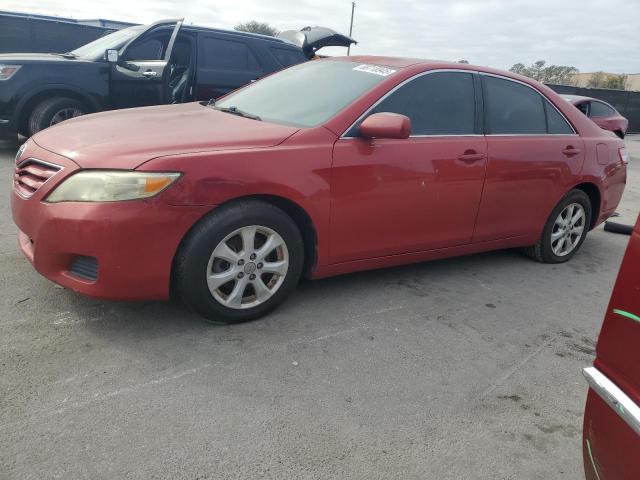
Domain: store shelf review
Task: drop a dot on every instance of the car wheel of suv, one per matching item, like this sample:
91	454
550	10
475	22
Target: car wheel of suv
565	230
53	111
240	262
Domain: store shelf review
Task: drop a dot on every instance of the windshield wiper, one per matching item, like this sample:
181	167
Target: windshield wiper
68	55
236	111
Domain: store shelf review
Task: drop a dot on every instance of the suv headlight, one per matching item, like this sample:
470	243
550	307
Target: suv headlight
110	186
7	71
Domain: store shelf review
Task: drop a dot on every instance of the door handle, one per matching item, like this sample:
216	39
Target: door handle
471	156
571	151
149	74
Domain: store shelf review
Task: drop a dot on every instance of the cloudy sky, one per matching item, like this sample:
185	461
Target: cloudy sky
588	34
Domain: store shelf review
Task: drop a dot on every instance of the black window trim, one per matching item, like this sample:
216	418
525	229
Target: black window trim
478	111
544	97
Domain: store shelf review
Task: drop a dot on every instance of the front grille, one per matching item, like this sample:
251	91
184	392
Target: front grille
85	268
30	174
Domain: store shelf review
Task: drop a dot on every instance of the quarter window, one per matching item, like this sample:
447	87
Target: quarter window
441	103
513	108
599	109
228	55
556	124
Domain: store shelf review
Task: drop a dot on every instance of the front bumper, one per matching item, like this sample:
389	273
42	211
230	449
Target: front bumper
7	128
133	242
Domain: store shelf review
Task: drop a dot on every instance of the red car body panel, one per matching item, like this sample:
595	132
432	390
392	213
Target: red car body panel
612	444
613	123
372	203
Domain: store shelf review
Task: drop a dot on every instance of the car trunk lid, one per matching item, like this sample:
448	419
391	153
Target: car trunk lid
312	39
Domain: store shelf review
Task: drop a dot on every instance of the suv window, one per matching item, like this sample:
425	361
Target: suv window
441	103
146	49
513	108
287	57
228	55
599	109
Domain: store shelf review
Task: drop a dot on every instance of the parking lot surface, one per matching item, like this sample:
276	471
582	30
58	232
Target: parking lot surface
466	368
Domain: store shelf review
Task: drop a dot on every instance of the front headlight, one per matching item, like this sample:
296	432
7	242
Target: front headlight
7	71
110	186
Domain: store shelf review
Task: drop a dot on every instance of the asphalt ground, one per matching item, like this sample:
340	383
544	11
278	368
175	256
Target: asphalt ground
466	368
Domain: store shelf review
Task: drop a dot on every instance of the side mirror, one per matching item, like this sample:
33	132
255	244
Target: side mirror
112	56
385	125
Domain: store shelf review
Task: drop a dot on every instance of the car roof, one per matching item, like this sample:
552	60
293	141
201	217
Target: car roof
425	64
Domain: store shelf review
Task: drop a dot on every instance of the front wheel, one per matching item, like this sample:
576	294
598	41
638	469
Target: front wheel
565	230
53	111
240	262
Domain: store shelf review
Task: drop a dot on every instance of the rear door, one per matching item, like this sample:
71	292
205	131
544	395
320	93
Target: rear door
612	416
534	155
225	63
141	75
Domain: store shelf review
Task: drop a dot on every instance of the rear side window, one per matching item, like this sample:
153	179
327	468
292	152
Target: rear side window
512	108
287	57
227	55
556	123
440	103
599	109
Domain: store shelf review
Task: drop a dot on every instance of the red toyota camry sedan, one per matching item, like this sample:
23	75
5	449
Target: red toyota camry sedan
602	114
325	168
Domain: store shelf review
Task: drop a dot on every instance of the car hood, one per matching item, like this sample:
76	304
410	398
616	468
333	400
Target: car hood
25	58
128	138
312	39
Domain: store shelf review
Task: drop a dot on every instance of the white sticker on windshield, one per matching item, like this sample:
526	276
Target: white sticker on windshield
375	69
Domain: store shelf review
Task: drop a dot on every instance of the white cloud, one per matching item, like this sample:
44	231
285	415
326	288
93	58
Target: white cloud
589	34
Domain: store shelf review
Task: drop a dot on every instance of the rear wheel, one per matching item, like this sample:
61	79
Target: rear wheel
53	111
565	230
240	262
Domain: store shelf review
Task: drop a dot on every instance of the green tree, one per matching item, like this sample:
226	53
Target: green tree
540	71
253	26
606	80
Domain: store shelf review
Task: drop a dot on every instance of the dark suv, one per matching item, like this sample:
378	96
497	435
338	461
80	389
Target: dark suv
166	62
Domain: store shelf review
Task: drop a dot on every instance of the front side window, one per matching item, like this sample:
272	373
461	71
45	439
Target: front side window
512	108
440	103
147	49
599	109
227	55
307	94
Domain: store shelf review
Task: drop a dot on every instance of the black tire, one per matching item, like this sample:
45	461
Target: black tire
619	134
542	250
191	261
44	113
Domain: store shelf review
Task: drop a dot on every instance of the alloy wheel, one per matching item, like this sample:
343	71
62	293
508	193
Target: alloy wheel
568	229
247	267
65	114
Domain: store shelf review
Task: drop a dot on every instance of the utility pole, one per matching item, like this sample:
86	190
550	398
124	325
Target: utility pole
353	6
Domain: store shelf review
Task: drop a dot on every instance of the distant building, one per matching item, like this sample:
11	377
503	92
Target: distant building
582	80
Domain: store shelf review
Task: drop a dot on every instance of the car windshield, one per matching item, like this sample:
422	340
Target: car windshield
308	94
95	50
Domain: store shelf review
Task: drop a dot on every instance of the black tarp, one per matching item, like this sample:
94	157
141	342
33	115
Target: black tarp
626	102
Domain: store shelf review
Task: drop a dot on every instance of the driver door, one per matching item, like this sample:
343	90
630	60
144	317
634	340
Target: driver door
141	75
